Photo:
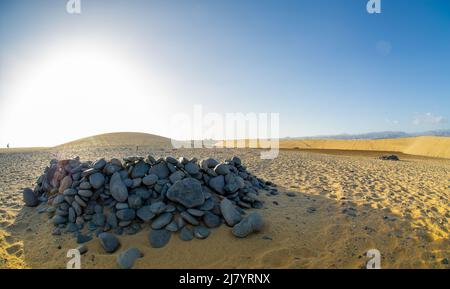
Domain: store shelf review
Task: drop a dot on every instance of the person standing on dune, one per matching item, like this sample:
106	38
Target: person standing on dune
7	146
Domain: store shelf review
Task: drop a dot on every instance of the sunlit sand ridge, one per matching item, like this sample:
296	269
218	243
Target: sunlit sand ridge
343	206
429	146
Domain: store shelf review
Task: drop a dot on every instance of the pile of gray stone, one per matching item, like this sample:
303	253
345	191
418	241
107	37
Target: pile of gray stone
168	195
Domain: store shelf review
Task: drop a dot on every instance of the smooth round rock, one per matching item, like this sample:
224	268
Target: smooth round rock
195	212
85	193
222	169
126	214
236	161
134	201
172	226
112	221
217	184
97	180
121	206
189	218
66	183
211	220
139	170
30	198
71	227
208	163
159	238
126	259
85	186
109	242
191	168
208	205
83	238
162	221
201	232
77	208
176	176
59	199
145	213
158	207
82	249
99	164
99	220
251	223
70	192
150	180
72	215
80	201
161	170
171	160
57	220
186	234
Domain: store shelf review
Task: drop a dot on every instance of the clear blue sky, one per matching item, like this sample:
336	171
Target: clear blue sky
327	66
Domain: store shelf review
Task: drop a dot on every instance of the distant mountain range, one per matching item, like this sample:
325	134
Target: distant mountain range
379	135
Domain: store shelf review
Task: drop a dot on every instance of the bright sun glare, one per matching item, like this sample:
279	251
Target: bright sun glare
74	90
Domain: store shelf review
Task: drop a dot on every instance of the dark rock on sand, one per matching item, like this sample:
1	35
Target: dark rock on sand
30	198
187	192
126	259
211	220
251	223
229	212
186	234
159	238
201	232
109	242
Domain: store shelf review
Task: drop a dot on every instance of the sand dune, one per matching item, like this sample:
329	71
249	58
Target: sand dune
428	146
120	139
422	146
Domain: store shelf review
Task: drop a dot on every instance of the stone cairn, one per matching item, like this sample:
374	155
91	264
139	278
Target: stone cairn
104	198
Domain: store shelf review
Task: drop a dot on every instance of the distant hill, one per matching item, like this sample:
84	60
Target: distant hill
380	135
121	139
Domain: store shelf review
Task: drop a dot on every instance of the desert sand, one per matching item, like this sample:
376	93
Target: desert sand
430	146
344	205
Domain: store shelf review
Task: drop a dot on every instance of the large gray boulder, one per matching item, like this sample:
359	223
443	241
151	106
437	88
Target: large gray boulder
97	180
187	192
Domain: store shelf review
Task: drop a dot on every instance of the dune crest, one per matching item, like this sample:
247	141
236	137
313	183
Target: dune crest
120	139
421	146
